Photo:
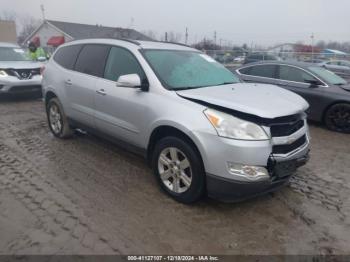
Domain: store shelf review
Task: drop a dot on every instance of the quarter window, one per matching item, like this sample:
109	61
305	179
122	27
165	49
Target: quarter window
92	59
66	56
122	62
295	74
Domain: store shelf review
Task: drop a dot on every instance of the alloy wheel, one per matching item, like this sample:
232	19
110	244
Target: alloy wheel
175	170
340	117
55	119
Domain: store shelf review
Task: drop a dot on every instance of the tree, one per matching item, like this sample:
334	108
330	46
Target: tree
8	15
206	45
174	37
150	33
27	25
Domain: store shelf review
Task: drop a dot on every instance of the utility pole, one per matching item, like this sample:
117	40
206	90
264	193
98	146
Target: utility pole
215	37
42	11
312	47
186	35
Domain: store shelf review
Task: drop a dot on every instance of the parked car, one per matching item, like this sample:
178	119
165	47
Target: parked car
239	59
256	57
199	127
327	93
18	75
340	67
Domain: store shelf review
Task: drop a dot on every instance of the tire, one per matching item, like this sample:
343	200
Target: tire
57	120
337	118
186	182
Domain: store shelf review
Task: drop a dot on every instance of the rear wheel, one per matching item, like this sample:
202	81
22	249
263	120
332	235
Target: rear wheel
179	169
337	118
57	120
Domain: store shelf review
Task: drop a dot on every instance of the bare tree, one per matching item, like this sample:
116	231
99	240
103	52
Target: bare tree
8	15
174	37
27	25
150	33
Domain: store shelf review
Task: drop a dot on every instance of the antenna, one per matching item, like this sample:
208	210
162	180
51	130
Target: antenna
42	11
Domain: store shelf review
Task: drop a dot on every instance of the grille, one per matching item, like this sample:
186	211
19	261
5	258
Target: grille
286	129
29	88
23	73
285	149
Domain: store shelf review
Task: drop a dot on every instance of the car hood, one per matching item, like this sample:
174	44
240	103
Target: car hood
266	101
20	64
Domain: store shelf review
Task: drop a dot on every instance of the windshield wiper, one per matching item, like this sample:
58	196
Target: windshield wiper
187	88
226	83
195	87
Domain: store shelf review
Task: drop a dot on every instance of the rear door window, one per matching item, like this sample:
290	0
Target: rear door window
263	71
67	56
294	74
92	59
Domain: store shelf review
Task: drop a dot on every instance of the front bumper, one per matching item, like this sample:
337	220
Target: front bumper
228	190
13	85
276	161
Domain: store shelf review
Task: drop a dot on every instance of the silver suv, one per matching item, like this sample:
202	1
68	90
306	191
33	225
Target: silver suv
201	129
18	74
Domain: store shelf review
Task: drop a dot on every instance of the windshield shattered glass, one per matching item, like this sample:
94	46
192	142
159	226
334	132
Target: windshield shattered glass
188	69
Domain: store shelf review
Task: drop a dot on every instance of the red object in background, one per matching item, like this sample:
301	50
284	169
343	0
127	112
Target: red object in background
56	41
36	41
307	49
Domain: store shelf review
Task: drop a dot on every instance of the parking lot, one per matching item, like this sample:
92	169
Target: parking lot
86	196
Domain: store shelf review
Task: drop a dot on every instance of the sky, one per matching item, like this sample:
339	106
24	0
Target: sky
254	22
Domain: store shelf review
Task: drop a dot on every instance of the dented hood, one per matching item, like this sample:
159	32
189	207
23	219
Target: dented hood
266	101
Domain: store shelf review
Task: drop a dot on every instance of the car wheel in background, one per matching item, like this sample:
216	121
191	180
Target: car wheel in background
179	169
57	120
337	118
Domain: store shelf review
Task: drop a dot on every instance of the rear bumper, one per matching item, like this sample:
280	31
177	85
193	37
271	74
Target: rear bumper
228	190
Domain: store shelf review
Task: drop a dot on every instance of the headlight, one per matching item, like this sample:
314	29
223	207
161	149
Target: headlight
3	73
231	127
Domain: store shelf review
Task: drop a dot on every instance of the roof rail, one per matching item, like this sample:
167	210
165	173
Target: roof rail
167	42
129	40
174	43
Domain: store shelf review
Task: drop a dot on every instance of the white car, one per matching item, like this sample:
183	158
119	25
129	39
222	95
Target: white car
18	74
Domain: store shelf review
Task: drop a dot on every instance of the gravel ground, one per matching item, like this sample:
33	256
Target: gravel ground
86	196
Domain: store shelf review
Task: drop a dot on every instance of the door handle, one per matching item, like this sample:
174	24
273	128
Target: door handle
68	82
101	92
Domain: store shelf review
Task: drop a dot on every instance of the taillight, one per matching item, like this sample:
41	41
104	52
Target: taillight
42	69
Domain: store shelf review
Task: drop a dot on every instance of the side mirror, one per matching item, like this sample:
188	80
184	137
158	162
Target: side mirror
131	80
313	83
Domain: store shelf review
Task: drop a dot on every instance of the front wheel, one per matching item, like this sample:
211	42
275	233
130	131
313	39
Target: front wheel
57	120
179	169
337	118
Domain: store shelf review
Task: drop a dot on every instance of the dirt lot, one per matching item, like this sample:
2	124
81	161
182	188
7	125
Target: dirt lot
86	196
